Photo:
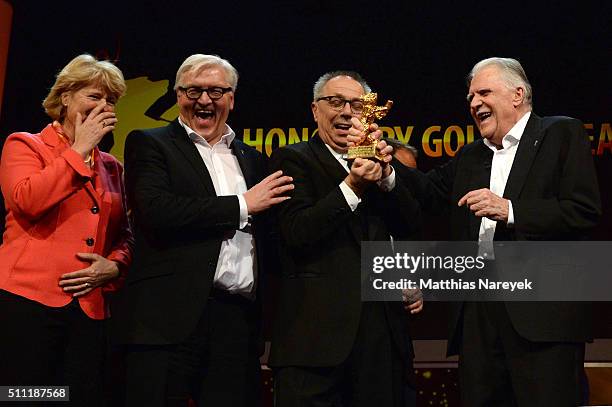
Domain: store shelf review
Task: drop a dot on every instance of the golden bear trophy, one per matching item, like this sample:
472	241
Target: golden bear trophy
371	112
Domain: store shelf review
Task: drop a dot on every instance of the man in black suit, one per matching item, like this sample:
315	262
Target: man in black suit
189	311
528	178
328	347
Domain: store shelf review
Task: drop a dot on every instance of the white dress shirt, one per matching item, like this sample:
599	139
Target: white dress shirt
386	184
237	267
500	169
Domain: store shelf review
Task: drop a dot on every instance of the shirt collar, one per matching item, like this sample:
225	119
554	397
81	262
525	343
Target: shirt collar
338	156
514	135
227	137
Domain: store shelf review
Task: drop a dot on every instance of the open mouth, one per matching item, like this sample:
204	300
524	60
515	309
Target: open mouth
205	114
342	126
482	116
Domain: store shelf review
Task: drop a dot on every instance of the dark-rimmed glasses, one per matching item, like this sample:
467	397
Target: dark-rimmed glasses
214	93
338	103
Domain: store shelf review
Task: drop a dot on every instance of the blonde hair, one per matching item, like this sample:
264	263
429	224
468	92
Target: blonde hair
81	72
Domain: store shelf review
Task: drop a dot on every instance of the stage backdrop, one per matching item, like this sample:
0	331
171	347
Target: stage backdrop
416	53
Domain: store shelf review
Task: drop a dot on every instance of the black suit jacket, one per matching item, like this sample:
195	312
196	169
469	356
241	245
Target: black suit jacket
179	224
320	292
554	193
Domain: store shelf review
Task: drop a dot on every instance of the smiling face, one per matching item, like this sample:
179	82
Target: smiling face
205	116
494	105
333	125
84	101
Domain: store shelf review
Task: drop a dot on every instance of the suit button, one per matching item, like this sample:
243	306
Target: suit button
89	241
95	210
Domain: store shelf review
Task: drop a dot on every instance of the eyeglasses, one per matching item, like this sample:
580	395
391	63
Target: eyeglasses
214	93
338	103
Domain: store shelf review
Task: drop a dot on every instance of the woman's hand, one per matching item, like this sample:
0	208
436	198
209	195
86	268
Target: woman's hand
89	131
81	282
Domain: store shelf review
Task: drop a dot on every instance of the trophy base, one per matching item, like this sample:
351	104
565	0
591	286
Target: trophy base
363	151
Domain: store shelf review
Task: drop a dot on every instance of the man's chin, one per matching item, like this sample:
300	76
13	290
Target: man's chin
342	149
484	133
341	144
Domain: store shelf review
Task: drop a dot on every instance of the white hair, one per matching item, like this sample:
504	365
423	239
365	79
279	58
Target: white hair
198	62
512	73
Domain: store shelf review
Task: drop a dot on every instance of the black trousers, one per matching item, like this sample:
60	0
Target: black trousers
374	374
217	365
41	345
498	367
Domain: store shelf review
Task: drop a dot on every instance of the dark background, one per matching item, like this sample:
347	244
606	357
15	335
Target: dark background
416	53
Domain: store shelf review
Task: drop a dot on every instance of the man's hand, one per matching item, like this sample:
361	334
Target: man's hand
413	300
363	173
268	192
357	135
485	203
386	151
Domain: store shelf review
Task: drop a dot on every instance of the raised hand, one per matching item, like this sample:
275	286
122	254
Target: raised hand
485	203
357	135
268	192
89	131
363	173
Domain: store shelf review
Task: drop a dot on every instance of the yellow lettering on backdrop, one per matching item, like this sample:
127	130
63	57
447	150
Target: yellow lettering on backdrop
405	136
295	138
437	150
257	142
605	138
387	132
282	140
448	139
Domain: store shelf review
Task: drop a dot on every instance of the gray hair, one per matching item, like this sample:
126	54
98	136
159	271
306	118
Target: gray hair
198	62
317	89
512	73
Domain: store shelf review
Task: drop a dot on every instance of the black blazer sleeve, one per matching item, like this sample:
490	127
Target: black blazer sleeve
307	219
568	203
399	208
156	198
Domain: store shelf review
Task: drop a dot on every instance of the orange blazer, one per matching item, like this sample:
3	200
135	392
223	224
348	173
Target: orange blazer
56	207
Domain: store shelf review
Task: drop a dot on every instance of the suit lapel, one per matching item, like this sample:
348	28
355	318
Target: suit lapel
248	172
335	171
190	152
530	143
480	178
335	174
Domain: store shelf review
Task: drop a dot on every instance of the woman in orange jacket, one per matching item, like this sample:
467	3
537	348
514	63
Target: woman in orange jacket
67	241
